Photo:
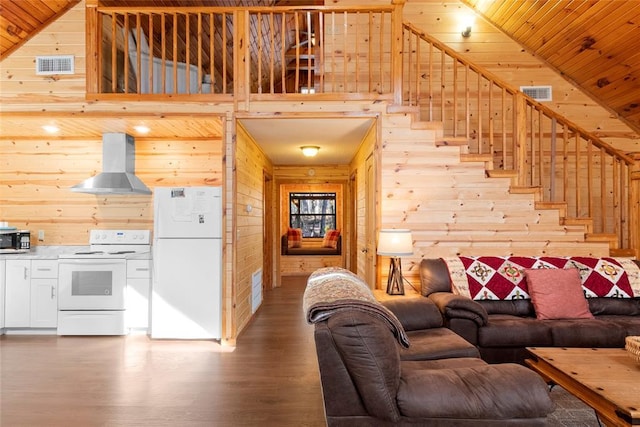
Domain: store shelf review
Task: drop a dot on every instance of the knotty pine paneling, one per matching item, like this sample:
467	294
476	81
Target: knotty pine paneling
453	208
64	36
250	166
501	55
358	175
36	175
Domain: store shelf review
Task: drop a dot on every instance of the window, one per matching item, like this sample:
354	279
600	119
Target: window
314	213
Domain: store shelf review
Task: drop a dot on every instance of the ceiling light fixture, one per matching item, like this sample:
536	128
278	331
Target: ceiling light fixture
51	128
142	129
310	150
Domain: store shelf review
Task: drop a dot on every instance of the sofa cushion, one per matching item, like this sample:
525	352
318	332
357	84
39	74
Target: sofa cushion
616	306
630	324
294	237
330	239
503	330
557	293
415	313
482	392
586	333
371	356
437	343
517	307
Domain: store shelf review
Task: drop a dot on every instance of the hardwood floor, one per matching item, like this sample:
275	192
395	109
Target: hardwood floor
271	379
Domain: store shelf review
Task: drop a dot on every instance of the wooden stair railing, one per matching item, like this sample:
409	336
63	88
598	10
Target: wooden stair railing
564	164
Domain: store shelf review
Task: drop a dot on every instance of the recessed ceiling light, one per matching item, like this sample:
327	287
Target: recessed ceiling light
51	128
142	129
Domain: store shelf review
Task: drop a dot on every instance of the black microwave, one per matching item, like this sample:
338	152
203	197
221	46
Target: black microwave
15	241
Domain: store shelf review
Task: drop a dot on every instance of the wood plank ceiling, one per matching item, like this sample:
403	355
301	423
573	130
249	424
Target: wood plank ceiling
22	19
594	44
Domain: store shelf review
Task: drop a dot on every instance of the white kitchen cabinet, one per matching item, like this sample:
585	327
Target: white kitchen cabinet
138	291
44	294
31	288
17	294
2	288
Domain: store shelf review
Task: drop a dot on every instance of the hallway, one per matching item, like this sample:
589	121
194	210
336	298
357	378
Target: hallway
271	379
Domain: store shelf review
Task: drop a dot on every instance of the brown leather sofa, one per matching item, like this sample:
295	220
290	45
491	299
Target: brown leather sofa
369	379
501	330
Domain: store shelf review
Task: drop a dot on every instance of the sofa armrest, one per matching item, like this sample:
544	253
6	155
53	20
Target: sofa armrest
415	313
458	306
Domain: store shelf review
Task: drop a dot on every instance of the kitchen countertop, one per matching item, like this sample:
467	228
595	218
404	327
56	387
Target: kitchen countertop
52	252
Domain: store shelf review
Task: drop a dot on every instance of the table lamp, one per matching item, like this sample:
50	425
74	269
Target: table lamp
395	243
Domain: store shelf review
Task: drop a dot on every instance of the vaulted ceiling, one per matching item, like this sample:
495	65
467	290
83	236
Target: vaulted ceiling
595	44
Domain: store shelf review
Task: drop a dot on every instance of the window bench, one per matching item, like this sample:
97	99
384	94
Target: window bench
309	249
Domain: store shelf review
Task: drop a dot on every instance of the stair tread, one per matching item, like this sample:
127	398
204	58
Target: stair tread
455	141
502	173
615	252
470	157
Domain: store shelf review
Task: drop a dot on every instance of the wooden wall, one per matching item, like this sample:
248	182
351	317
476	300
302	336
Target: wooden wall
358	185
65	36
499	54
251	164
452	208
36	176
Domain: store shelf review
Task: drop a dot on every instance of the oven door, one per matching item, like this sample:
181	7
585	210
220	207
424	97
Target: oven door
91	284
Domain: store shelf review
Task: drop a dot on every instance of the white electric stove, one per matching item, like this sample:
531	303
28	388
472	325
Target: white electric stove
92	283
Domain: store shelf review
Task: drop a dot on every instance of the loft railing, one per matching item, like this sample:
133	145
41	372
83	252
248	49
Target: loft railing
516	134
144	52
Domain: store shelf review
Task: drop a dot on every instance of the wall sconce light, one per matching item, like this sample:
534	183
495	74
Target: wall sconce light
466	22
310	150
395	243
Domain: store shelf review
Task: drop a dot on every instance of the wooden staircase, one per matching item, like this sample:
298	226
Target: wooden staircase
487	159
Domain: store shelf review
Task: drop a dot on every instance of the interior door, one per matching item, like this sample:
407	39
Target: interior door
370	222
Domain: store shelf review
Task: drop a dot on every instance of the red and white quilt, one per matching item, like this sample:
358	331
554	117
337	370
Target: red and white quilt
502	278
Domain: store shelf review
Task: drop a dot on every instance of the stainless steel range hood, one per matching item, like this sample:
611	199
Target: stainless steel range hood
118	169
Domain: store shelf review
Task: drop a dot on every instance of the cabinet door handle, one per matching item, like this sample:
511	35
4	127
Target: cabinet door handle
53	292
25	273
43	269
142	269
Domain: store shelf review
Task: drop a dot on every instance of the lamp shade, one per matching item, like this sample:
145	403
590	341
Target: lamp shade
393	242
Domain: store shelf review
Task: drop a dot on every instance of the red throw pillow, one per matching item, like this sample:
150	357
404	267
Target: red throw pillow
294	237
331	239
556	293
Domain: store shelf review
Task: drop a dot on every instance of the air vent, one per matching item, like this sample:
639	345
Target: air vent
539	93
57	64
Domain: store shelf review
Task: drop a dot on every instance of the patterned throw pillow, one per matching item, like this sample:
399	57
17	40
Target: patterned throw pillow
331	239
294	237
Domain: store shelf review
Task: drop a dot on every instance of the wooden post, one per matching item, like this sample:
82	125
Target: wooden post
396	50
520	138
92	40
634	205
241	59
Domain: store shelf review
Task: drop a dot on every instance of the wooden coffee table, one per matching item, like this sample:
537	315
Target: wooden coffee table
606	379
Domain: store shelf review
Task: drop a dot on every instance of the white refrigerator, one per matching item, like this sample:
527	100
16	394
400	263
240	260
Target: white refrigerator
186	300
